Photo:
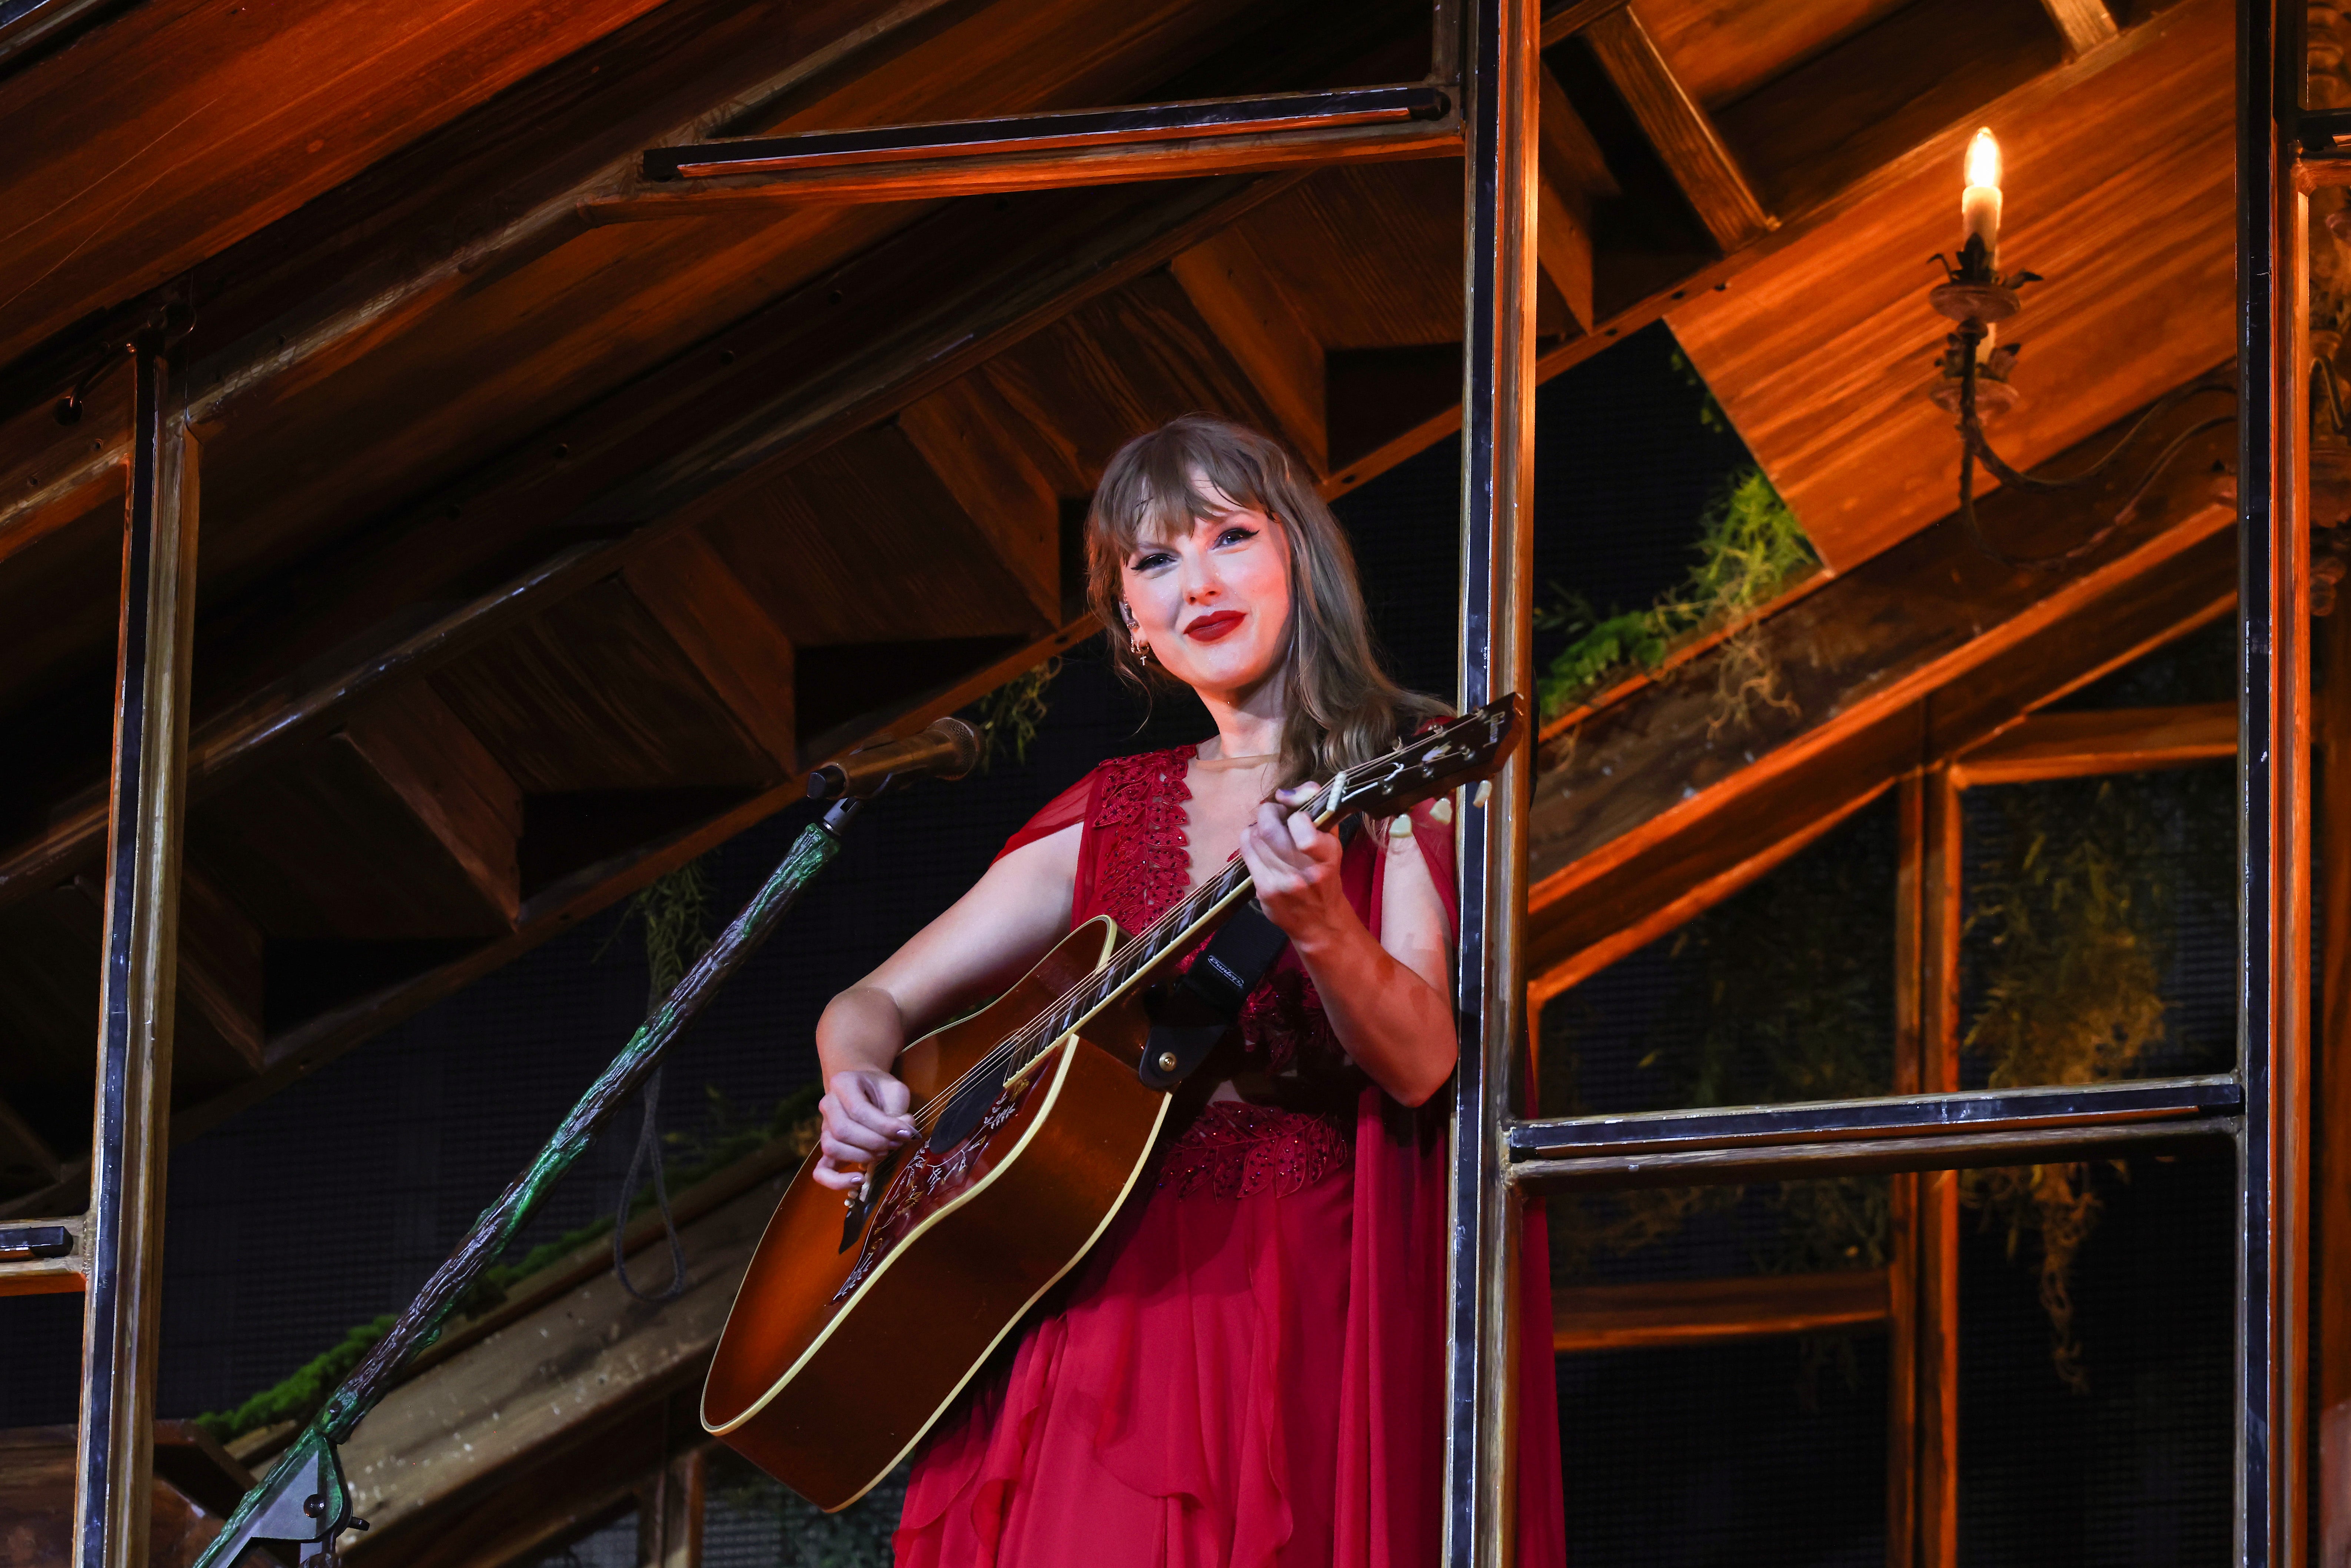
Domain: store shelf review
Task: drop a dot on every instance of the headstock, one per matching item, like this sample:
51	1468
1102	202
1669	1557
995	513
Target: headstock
1469	748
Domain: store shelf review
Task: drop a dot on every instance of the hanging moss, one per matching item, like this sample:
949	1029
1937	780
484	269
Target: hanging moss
1749	550
1014	713
2075	920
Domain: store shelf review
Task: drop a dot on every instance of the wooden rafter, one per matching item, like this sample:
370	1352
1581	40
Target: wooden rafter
1684	135
1696	1311
2120	740
1649	805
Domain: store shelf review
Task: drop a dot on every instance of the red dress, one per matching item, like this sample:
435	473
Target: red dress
1248	1369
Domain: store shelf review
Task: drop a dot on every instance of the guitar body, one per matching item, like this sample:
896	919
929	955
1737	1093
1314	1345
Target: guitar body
842	1349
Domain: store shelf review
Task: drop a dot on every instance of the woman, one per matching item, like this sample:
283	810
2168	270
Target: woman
1248	1369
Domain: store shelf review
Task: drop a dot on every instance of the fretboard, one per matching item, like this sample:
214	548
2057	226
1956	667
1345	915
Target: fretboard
1142	949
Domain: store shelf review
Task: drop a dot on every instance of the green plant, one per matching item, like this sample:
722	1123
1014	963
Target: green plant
298	1397
1015	711
1749	549
2073	924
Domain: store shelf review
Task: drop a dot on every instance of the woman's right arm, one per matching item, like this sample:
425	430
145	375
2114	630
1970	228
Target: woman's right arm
987	939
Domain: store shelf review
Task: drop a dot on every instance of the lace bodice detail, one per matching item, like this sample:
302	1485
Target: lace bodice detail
1145	866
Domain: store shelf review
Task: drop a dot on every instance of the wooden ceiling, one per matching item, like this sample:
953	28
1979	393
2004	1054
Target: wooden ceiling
548	535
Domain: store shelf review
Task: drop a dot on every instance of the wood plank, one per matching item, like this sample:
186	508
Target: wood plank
449	779
1822	353
1683	134
2117	740
1701	1311
2084	24
1937	1336
1573	176
221	972
593	695
1864	645
584	1359
1903	1196
1723	49
1255	319
182	126
993	463
931	179
1713	853
716	623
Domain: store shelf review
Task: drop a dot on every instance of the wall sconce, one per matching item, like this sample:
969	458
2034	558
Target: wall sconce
1976	375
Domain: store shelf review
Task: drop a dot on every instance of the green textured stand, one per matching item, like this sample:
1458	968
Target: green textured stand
304	1498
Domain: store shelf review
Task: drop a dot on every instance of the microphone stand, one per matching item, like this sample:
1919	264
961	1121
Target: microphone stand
304	1499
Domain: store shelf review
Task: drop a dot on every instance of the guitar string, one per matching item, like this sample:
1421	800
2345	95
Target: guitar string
1031	1039
1122	966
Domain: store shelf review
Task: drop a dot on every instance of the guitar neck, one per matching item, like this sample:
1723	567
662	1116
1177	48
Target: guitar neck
1184	921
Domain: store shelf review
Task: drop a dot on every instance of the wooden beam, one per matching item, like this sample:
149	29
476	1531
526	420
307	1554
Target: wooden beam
984	453
1935	1337
930	179
573	1366
221	974
731	640
1571	17
2084	24
258	111
1575	176
452	784
2115	740
1935	607
1902	1188
242	735
1705	856
702	437
1255	319
1683	136
674	1513
1700	1311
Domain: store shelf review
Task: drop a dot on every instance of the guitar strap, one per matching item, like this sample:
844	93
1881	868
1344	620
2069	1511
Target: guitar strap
1189	1016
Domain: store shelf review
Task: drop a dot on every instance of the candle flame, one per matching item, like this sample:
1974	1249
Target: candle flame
1983	160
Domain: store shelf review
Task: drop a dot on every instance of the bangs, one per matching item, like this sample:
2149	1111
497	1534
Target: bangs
1181	474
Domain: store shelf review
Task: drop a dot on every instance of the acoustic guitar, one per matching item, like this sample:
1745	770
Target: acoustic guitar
857	1324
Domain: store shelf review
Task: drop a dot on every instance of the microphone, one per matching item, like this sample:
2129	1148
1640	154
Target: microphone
949	748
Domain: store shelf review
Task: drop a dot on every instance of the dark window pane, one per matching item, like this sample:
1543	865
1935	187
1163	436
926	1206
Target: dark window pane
2107	1438
750	1521
1783	992
1769	1451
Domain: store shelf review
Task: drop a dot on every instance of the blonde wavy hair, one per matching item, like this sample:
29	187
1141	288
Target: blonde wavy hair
1340	706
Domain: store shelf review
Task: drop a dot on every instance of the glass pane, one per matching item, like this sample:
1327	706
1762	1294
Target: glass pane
1717	1233
1782	992
2101	1431
1767	1450
750	1521
2100	937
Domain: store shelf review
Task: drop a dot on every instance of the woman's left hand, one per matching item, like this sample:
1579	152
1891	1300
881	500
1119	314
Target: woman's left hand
1296	867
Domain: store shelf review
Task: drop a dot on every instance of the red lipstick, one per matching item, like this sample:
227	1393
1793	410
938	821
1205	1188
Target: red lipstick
1210	627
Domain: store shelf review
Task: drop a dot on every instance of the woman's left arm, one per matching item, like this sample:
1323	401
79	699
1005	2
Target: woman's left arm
1388	999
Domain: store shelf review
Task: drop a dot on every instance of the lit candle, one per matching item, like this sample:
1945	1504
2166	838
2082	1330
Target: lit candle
1979	202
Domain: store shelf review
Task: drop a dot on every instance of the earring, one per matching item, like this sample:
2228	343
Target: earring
1141	652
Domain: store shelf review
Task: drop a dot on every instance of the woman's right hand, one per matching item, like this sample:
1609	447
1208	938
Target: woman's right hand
864	1118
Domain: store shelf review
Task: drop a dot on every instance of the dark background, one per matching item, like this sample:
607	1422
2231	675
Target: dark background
331	1202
